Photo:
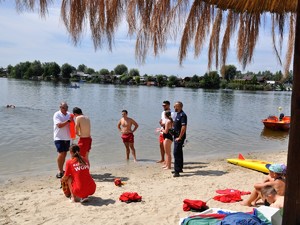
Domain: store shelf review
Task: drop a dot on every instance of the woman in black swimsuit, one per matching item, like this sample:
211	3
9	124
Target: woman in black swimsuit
168	139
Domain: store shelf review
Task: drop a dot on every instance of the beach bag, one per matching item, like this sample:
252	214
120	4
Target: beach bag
65	188
194	205
130	197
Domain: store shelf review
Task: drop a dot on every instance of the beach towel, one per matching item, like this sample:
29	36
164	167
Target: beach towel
230	195
194	205
228	198
231	191
241	218
130	197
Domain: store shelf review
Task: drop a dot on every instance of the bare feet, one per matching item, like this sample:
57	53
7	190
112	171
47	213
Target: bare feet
167	168
160	161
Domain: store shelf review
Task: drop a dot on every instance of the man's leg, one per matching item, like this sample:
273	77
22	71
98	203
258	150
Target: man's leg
127	150
131	145
178	157
61	157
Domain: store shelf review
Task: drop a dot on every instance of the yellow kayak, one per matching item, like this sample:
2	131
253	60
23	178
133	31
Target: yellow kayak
253	164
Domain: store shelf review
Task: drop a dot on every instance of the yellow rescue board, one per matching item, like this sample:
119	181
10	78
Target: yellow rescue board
253	164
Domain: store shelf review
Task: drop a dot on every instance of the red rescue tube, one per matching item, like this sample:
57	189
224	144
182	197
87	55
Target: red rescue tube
72	127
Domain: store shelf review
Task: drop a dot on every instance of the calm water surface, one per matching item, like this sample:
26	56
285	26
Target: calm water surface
220	123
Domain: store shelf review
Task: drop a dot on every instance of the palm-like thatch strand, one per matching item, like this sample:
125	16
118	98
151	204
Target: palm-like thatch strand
154	22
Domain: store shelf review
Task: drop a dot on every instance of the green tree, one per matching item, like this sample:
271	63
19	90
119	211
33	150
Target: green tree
20	69
134	72
51	69
104	72
125	79
37	69
160	79
228	72
89	71
172	81
66	70
121	69
81	68
211	80
278	76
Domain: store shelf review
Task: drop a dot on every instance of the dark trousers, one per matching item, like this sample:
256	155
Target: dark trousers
178	156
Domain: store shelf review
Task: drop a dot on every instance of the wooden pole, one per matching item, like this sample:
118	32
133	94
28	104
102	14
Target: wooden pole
291	214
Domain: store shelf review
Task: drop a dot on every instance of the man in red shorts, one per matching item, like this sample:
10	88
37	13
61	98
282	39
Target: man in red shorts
83	130
125	127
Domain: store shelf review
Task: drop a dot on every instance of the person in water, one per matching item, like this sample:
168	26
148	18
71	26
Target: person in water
276	179
78	177
125	125
10	106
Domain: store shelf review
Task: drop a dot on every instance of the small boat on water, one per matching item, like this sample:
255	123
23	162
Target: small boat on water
74	86
273	122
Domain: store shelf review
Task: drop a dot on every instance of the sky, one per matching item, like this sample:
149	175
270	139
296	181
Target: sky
27	37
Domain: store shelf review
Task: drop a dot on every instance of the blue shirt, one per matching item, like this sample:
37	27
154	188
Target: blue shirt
180	120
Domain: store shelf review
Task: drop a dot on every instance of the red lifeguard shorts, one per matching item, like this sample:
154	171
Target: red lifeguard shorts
128	138
161	138
84	144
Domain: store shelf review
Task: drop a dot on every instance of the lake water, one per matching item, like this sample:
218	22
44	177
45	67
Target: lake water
220	123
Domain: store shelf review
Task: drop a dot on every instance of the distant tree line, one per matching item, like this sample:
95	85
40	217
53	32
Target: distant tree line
229	76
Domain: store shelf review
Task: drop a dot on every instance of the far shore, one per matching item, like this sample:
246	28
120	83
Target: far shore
39	199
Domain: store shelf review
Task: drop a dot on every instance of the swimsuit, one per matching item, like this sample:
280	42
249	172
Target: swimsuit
84	144
168	136
128	138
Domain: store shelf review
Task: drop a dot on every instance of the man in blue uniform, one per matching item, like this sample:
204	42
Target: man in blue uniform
180	124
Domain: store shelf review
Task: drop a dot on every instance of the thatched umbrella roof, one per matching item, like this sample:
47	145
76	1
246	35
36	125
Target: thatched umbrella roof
153	22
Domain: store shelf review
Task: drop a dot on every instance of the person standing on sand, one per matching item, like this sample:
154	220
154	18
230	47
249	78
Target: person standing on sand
168	139
180	124
83	130
61	134
125	127
162	121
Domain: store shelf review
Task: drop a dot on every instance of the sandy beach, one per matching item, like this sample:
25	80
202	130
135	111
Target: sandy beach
39	199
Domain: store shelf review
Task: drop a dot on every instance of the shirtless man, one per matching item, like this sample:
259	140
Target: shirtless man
83	130
125	127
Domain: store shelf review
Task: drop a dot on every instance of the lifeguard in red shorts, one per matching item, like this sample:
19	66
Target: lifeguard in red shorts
83	130
125	125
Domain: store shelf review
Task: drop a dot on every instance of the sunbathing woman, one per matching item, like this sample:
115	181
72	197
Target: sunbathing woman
168	139
276	179
78	177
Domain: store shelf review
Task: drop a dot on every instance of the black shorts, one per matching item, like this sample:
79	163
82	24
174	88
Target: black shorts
62	146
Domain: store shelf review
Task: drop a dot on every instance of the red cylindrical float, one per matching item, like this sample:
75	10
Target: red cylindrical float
72	127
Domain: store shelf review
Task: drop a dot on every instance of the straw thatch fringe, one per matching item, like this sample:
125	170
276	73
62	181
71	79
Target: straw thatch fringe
153	22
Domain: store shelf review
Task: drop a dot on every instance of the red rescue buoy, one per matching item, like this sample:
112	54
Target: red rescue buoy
72	127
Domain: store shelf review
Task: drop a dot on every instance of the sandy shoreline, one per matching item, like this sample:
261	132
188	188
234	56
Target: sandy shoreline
39	199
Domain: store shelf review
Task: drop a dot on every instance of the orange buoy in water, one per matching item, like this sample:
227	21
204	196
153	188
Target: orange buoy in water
72	127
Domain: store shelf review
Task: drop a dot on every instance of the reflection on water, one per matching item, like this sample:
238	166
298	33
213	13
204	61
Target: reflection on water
270	134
